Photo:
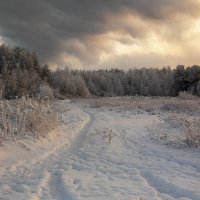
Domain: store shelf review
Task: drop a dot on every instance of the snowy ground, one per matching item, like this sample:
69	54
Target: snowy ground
81	164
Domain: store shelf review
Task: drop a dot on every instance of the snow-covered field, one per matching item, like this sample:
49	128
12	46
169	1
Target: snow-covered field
99	153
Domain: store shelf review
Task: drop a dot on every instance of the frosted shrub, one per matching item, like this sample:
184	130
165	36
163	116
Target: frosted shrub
191	128
148	104
186	95
26	117
178	130
46	92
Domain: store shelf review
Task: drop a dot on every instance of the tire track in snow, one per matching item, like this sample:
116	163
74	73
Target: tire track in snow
162	186
82	136
43	184
150	152
45	178
56	186
131	168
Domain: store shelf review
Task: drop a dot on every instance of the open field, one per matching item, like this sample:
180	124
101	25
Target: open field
110	148
179	117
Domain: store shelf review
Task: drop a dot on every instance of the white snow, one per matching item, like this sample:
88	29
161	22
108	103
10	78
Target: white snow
79	163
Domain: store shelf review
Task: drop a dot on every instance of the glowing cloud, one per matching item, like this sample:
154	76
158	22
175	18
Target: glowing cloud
97	34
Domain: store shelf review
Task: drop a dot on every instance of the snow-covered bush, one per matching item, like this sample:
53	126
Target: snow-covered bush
68	84
177	130
46	91
186	95
191	128
26	117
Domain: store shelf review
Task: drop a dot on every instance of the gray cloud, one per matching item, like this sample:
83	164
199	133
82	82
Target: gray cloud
52	28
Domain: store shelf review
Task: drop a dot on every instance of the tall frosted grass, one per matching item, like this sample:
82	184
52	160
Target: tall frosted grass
183	111
26	117
191	128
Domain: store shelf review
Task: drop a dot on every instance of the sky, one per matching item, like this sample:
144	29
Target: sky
91	34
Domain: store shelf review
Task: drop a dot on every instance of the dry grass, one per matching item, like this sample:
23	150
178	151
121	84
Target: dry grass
178	130
191	128
106	133
187	95
149	104
26	117
181	116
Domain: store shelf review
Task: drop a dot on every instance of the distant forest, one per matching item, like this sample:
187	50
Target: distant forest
21	73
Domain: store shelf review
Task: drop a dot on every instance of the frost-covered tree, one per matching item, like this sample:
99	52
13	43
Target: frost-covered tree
68	83
21	72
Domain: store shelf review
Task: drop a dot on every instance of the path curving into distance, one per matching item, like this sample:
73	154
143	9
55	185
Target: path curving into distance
130	167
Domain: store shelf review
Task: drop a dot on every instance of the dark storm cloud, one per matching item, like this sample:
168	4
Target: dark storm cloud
50	26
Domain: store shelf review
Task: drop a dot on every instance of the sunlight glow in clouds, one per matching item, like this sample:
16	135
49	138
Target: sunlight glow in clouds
98	34
196	26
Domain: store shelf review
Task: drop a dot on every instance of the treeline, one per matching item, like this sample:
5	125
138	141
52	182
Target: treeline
21	73
143	82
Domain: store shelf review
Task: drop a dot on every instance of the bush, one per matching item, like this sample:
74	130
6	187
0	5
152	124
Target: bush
46	91
191	127
26	117
68	84
186	95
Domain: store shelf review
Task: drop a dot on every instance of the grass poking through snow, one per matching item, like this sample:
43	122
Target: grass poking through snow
26	117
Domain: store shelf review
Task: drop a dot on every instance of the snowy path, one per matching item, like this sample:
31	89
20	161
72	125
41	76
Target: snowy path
131	167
